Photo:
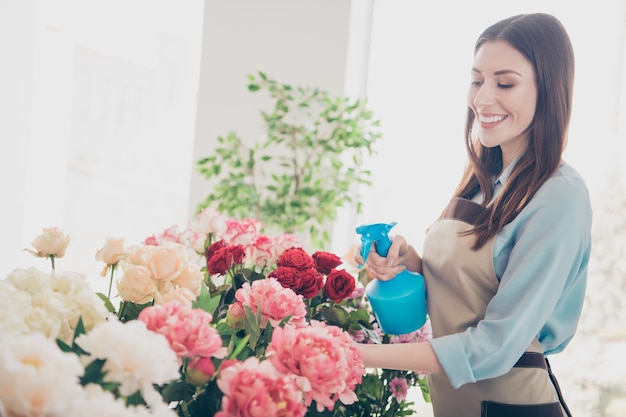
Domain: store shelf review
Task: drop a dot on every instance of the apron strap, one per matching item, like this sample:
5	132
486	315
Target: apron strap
537	360
531	360
558	389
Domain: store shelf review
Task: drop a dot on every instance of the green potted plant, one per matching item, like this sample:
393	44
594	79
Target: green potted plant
308	165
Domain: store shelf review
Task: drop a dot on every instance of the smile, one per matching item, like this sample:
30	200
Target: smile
492	119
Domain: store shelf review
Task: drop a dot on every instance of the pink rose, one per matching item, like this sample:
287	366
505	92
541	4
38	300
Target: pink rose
209	221
262	251
255	389
236	316
53	242
171	234
285	242
200	370
242	232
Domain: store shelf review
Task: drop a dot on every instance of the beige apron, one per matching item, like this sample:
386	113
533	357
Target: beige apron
460	283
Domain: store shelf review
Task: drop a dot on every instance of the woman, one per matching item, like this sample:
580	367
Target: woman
505	265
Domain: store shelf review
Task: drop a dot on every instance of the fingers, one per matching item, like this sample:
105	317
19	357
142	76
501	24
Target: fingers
385	273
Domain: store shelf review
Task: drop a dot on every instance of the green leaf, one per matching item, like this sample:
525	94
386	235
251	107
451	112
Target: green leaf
205	301
107	303
252	326
178	391
93	372
334	315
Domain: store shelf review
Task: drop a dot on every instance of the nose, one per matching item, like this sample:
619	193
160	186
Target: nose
482	96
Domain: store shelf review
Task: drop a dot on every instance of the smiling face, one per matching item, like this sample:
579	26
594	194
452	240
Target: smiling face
503	97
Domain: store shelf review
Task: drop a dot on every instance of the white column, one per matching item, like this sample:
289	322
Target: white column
296	42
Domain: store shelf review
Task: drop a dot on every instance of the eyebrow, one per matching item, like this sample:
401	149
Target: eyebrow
501	72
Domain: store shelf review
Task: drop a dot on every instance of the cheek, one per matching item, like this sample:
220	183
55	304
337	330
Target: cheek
471	94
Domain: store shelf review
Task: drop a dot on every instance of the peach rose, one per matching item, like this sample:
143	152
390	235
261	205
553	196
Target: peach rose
111	253
136	285
167	261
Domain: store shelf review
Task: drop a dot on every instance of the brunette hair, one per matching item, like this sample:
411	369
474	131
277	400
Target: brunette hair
543	40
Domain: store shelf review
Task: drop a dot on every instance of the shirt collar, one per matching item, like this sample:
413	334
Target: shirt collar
504	176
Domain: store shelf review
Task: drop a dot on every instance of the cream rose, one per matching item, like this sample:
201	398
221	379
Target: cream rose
53	242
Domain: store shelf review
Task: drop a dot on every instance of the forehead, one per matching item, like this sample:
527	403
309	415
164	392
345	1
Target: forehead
499	55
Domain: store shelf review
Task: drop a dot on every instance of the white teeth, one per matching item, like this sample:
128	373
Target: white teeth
492	119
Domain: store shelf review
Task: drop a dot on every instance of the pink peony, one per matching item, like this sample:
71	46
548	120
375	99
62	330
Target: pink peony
255	389
187	330
323	359
275	301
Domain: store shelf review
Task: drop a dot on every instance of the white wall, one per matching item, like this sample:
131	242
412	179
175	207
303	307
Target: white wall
97	100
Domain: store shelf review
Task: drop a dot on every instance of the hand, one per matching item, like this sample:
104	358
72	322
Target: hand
385	268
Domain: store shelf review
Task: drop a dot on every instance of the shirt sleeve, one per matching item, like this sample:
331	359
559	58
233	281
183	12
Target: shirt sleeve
544	254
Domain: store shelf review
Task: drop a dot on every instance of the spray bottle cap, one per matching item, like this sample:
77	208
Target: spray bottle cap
376	232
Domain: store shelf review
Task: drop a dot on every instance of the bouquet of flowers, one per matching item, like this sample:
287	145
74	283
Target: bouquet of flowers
214	320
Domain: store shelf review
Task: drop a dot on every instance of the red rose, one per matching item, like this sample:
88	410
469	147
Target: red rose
326	261
219	261
223	257
237	253
214	248
310	283
288	277
296	258
339	285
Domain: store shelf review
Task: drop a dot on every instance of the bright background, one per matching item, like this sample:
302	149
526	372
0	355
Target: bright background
106	105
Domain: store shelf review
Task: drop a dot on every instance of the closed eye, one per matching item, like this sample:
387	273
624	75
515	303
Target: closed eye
505	86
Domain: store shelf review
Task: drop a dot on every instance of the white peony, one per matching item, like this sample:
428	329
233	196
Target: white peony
50	304
136	357
37	378
14	309
100	403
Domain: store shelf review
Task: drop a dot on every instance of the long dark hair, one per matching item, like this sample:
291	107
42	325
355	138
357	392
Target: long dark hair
543	40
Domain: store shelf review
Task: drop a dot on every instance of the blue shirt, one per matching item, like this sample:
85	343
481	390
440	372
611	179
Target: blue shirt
540	259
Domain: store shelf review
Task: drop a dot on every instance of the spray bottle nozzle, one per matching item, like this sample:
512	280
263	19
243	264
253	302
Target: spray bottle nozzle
377	232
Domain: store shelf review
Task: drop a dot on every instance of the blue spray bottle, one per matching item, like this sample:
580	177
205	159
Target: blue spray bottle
400	303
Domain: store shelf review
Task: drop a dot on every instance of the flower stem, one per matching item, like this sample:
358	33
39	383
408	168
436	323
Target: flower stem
52	261
111	281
